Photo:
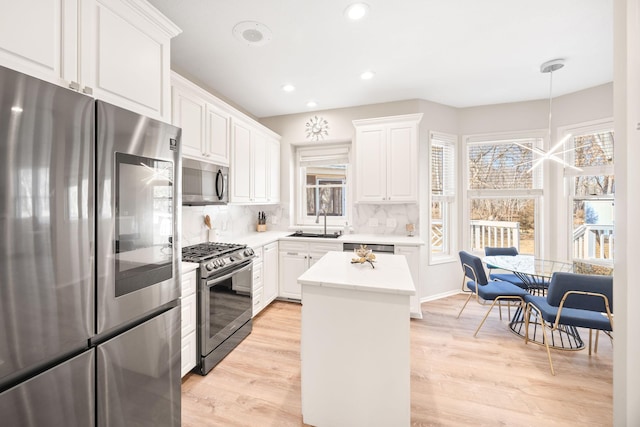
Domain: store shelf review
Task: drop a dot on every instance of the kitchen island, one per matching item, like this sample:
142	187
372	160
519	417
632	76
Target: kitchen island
355	341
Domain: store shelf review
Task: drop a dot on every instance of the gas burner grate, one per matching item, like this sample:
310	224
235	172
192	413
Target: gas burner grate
204	251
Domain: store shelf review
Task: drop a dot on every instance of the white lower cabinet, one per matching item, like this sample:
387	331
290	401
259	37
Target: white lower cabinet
270	272
412	253
188	323
295	259
258	284
265	276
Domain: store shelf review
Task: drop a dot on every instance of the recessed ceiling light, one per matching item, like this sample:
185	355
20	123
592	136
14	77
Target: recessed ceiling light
356	11
288	88
367	75
16	109
312	104
252	33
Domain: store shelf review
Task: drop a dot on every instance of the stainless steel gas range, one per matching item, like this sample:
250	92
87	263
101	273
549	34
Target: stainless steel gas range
224	298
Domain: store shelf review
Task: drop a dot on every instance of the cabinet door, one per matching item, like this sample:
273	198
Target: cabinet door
257	288
292	265
412	253
124	57
371	180
188	353
189	114
273	171
188	315
241	174
40	38
402	164
259	161
270	272
217	135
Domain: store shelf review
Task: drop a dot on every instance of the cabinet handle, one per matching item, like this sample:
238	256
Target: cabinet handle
74	86
292	253
87	90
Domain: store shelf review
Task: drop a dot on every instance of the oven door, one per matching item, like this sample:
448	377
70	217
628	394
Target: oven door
225	305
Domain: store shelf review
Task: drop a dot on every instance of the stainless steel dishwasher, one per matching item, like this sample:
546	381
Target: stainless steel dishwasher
375	247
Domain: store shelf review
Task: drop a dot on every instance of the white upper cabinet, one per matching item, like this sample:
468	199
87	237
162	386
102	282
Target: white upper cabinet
39	38
273	170
115	50
241	172
386	159
217	135
255	164
204	119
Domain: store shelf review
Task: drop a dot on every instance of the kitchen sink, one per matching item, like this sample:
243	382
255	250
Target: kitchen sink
324	236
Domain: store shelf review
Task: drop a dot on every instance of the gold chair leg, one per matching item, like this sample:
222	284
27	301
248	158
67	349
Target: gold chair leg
546	344
465	304
590	334
499	308
595	348
527	315
485	317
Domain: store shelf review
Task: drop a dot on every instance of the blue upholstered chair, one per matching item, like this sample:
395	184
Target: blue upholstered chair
484	290
580	300
506	277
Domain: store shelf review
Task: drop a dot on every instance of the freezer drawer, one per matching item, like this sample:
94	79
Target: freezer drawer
61	396
139	375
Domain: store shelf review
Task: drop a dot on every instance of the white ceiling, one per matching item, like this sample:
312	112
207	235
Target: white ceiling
455	52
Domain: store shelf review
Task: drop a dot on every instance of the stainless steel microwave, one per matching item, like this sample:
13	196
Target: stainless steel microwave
204	183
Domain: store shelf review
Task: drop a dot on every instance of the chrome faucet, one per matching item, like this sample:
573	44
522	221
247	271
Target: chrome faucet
324	211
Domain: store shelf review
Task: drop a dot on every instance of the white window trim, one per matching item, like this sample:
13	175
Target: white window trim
452	220
582	128
467	194
301	221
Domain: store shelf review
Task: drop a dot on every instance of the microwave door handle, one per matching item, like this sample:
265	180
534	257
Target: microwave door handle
212	282
219	185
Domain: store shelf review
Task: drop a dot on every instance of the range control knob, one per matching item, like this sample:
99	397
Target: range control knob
231	259
248	252
209	266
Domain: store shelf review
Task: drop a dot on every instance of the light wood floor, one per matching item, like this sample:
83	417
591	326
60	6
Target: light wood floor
456	380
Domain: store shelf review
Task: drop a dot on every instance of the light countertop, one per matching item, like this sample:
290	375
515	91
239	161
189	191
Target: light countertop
266	237
390	275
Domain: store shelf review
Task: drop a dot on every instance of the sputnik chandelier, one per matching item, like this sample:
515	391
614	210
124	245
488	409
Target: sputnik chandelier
553	154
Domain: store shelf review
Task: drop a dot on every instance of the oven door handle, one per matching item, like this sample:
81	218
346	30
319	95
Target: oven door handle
212	282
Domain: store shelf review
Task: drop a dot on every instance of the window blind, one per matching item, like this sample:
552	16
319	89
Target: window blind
323	156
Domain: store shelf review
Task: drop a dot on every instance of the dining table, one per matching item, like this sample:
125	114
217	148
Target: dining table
536	274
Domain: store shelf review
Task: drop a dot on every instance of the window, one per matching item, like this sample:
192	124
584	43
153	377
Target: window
323	177
592	188
503	193
443	194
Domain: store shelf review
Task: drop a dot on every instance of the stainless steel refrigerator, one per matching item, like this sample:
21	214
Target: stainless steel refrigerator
89	287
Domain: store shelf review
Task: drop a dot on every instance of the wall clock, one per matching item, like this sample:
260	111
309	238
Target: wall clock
317	128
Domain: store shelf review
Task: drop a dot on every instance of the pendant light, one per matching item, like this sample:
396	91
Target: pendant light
549	67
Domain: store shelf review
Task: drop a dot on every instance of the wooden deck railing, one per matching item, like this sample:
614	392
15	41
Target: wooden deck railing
593	242
500	234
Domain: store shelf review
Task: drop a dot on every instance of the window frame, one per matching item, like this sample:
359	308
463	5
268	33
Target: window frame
300	185
450	213
569	175
536	193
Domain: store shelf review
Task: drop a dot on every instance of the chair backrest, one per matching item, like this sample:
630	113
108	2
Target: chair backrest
472	267
489	251
563	282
